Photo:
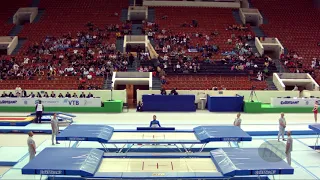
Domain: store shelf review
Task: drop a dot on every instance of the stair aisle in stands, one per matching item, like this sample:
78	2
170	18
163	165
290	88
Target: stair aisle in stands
151	15
124	15
265	19
135	65
35	3
119	44
21	41
257	31
236	15
271	85
39	15
108	83
16	30
156	83
137	29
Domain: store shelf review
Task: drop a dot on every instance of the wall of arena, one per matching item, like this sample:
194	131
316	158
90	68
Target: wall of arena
192	4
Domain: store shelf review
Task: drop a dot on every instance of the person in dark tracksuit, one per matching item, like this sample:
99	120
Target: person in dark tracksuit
39	110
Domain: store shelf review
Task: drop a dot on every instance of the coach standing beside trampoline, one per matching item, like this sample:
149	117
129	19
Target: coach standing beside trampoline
31	146
39	110
282	126
54	128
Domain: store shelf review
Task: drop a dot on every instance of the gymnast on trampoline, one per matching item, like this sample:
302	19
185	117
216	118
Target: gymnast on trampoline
155	123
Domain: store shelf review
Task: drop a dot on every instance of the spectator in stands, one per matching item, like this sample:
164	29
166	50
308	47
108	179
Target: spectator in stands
75	95
89	76
139	107
313	63
140	69
90	95
259	76
45	95
11	94
164	17
52	95
18	91
24	93
215	32
163	91
38	95
82	95
174	92
32	95
68	95
163	80
215	88
4	94
223	88
60	95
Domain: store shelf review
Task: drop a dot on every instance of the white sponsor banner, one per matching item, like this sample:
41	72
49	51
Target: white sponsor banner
52	102
293	102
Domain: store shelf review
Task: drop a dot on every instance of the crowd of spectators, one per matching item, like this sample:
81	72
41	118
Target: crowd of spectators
84	55
45	95
176	50
293	61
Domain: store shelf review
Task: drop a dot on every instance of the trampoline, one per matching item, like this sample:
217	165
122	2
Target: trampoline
47	116
94	163
15	121
106	135
316	129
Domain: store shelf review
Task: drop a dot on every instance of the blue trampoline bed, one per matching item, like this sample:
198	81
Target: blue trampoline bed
316	129
106	135
88	163
46	116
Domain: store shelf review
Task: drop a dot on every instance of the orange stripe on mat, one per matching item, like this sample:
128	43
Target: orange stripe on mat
12	118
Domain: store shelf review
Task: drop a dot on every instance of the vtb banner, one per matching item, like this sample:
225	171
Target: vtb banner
52	102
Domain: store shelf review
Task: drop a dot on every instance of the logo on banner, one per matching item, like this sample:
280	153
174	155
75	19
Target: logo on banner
8	102
51	172
47	101
72	102
289	102
307	102
264	172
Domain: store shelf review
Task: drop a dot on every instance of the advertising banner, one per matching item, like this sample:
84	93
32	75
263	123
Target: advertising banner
293	102
52	102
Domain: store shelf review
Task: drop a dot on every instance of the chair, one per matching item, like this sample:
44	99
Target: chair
125	106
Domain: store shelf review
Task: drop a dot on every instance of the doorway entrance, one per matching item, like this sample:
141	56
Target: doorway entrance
132	92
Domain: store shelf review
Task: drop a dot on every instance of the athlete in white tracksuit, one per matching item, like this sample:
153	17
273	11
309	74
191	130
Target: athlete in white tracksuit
54	128
289	147
282	127
237	122
31	146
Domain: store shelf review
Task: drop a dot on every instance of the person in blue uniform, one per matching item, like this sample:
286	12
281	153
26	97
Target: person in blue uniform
155	123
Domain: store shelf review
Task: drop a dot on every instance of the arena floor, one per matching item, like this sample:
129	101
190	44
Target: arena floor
305	160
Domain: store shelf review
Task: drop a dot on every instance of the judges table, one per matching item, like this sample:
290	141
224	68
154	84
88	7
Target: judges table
293	102
225	103
168	103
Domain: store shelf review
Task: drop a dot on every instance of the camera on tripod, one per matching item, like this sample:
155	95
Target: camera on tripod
253	93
